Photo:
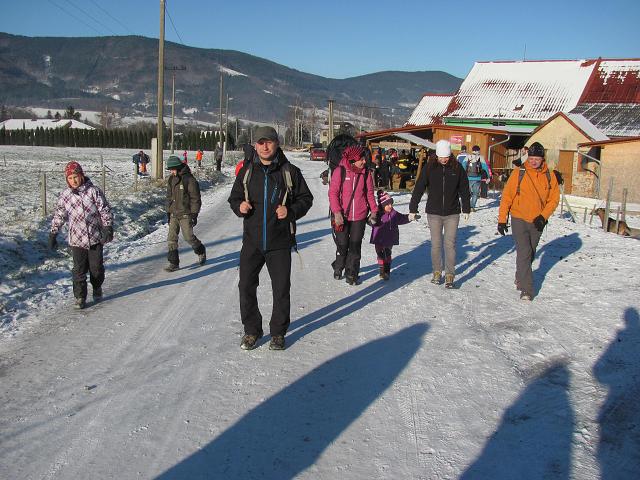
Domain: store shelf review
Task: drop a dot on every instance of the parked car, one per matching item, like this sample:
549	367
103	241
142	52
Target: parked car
318	153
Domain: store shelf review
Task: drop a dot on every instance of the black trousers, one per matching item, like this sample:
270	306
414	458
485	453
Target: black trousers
84	261
252	259
348	248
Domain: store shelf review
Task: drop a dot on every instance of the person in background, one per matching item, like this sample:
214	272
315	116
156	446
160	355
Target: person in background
448	195
184	157
217	154
183	206
88	213
141	160
351	198
530	196
385	233
462	156
199	154
269	208
473	166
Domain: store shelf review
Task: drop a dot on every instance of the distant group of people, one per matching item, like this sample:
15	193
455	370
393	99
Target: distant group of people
271	195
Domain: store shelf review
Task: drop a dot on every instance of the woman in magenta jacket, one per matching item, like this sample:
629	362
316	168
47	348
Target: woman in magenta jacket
350	199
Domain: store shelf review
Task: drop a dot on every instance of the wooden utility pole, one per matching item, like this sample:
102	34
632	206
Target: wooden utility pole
221	100
330	121
158	166
173	97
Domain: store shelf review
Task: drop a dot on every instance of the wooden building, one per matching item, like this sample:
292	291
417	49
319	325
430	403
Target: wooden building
613	163
560	136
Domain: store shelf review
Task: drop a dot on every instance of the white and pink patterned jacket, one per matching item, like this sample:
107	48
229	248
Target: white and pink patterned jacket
87	211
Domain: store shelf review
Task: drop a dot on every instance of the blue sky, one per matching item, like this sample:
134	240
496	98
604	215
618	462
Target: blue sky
346	38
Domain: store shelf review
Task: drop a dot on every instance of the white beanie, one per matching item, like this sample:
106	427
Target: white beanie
443	148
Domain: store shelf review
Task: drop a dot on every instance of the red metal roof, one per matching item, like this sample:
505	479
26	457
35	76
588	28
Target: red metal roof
614	81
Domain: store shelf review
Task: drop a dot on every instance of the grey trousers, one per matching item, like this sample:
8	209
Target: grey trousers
182	222
526	236
438	223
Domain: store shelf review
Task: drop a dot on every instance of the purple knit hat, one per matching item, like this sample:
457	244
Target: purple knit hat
384	198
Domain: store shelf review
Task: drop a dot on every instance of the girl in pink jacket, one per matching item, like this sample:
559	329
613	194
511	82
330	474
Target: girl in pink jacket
350	200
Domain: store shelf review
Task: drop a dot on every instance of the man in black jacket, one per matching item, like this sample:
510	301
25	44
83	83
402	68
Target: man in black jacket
183	206
270	208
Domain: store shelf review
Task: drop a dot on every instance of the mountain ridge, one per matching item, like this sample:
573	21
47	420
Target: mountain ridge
121	72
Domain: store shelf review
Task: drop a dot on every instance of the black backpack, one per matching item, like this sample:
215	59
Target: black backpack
335	149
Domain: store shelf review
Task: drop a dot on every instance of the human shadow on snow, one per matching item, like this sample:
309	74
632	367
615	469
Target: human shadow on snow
553	252
488	252
619	417
534	438
407	267
212	266
287	433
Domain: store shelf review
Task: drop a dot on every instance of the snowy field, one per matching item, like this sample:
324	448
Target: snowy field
392	380
28	271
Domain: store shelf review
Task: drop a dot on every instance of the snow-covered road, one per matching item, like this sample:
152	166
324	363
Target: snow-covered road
394	380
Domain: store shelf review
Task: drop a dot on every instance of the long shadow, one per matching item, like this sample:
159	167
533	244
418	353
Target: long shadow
619	418
213	265
552	252
342	308
489	252
288	432
533	440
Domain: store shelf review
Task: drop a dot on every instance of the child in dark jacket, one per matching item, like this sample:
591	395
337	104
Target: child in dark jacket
385	233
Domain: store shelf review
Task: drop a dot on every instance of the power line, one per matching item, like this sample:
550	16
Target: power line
77	18
127	29
91	17
166	8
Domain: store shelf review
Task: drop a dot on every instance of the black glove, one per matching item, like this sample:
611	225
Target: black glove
373	219
194	220
503	228
168	217
53	241
107	234
539	222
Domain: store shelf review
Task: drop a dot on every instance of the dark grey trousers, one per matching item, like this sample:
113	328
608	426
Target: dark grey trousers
177	223
87	260
526	237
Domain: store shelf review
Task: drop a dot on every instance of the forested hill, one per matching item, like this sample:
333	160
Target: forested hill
91	72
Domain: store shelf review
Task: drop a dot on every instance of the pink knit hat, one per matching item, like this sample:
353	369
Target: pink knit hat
384	198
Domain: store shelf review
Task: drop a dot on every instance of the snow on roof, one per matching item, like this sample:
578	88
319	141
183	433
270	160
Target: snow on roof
525	90
614	81
27	124
587	127
430	109
613	119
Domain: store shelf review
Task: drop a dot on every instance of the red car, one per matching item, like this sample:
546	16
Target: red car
318	154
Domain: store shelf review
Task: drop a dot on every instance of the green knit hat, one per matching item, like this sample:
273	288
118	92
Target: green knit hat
174	162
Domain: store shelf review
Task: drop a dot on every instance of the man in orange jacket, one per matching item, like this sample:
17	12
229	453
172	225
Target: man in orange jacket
531	195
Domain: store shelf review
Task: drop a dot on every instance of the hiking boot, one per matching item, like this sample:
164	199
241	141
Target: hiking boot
249	341
171	267
80	303
351	280
97	294
277	342
384	272
526	296
337	274
202	258
437	278
448	280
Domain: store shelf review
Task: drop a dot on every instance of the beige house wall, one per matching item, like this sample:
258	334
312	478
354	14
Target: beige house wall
621	161
559	134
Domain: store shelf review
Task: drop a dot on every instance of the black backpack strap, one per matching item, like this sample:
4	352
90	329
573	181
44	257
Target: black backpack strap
520	177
